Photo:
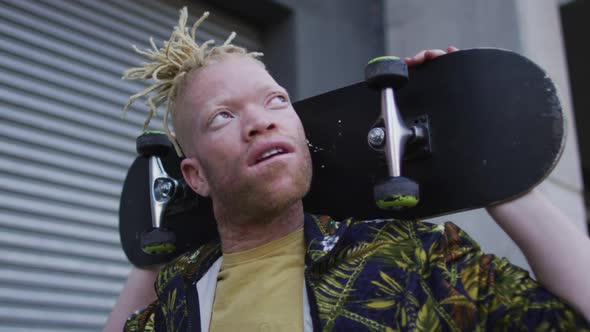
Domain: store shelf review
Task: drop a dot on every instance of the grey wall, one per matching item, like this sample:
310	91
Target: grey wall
415	25
315	46
333	41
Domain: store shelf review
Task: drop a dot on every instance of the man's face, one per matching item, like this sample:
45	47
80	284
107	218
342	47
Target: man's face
247	145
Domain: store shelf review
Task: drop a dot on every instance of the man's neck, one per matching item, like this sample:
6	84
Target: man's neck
242	235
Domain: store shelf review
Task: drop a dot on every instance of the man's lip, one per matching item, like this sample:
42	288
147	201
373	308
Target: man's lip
260	148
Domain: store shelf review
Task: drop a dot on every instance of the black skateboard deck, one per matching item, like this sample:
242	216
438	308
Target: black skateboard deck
495	130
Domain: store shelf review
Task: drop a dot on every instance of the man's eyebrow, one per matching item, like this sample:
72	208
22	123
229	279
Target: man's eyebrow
270	87
212	102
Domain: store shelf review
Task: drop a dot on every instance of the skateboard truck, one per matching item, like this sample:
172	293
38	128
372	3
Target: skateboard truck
154	145
396	192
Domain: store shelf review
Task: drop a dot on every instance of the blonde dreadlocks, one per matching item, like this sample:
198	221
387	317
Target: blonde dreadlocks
171	64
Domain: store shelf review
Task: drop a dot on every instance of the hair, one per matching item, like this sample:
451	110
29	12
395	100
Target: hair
170	66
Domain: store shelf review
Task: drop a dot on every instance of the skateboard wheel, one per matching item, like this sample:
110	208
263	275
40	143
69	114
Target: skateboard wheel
153	143
386	72
158	241
396	193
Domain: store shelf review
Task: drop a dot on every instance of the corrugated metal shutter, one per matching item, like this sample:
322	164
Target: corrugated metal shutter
64	151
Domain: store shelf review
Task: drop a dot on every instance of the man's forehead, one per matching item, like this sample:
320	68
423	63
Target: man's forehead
228	80
232	69
246	91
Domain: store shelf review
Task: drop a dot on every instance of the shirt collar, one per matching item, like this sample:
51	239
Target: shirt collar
322	235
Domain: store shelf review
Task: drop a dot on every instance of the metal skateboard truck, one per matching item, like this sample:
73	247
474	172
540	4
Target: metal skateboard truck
396	192
163	187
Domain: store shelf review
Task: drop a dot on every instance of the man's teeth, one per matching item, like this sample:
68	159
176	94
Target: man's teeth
270	153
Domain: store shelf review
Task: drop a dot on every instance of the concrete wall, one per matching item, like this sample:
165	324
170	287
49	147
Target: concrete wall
314	46
531	27
334	39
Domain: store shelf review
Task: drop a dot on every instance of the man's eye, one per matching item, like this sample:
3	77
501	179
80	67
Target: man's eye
220	118
277	100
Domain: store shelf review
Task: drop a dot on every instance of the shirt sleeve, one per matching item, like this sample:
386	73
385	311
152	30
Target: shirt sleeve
143	320
169	311
479	291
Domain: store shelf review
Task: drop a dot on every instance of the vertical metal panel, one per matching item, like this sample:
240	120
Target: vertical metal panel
64	151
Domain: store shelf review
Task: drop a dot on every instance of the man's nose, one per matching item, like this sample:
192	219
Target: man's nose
258	122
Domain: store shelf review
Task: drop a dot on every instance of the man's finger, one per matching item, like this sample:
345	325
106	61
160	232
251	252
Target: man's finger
420	54
431	54
416	59
426	55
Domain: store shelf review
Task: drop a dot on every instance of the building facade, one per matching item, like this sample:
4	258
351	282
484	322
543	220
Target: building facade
65	148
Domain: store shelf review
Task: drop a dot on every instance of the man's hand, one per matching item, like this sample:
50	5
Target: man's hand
427	55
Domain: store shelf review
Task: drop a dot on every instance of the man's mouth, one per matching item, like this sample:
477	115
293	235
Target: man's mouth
270	154
268	150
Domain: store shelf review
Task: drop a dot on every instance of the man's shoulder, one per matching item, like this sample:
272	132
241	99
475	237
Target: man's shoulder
328	225
188	266
397	226
426	234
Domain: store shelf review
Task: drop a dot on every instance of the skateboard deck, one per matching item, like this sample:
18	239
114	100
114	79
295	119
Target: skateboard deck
495	130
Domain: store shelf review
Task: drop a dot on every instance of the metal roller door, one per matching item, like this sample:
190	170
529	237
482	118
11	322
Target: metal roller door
64	150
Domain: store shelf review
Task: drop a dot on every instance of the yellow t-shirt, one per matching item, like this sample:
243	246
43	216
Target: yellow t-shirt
261	289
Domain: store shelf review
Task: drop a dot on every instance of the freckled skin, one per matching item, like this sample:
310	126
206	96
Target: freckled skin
227	110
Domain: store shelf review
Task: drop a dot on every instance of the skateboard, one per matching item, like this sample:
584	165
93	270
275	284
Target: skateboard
463	131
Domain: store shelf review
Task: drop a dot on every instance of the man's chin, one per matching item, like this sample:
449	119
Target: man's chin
258	207
268	193
282	196
273	198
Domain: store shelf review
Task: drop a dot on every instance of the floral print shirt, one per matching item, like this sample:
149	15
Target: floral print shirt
384	275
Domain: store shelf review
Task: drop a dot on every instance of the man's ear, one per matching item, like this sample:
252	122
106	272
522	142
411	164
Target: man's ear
194	177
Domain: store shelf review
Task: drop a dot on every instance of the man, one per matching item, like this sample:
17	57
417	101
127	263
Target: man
276	268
